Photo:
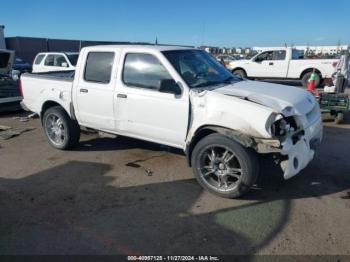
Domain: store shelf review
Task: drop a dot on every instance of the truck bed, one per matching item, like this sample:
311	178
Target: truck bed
49	86
56	75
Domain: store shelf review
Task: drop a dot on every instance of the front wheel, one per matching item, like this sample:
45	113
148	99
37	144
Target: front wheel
61	131
224	167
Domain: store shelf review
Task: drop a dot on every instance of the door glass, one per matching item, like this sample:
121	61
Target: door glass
38	59
59	60
49	61
279	55
143	70
264	56
98	67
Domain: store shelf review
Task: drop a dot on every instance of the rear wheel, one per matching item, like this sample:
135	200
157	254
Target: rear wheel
61	131
224	167
306	77
240	72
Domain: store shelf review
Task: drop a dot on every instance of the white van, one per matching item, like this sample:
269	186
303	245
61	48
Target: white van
60	61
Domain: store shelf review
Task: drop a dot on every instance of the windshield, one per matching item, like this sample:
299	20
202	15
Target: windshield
73	58
198	68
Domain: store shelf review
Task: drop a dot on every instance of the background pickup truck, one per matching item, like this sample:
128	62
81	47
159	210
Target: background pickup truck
58	61
284	63
184	98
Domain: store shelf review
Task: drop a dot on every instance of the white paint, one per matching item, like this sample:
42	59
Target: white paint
41	67
247	107
285	69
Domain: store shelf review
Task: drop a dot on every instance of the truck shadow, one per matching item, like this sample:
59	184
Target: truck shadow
74	209
122	143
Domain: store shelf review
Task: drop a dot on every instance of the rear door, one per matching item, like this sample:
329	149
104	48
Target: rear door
94	89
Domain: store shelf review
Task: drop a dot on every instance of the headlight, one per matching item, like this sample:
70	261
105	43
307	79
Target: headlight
283	126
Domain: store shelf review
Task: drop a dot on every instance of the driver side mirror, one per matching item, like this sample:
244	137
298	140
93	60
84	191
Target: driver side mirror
64	64
169	86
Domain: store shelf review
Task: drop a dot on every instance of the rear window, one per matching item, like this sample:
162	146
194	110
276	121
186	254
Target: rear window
38	59
98	67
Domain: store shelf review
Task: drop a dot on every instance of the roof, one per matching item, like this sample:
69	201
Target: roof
145	47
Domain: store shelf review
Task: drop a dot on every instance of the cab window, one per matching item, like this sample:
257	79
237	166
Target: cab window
55	60
98	67
144	70
279	55
264	56
38	59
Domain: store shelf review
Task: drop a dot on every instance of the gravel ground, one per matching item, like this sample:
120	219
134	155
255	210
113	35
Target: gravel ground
124	196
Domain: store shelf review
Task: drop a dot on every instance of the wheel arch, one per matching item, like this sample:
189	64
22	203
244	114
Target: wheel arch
206	130
239	68
51	103
310	69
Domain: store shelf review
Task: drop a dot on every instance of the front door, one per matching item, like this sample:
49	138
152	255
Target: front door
270	64
141	109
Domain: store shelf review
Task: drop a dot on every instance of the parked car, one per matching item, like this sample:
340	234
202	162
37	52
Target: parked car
225	59
181	97
21	65
284	63
58	61
10	96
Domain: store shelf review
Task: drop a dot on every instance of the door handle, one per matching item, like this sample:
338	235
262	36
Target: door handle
122	96
83	90
271	63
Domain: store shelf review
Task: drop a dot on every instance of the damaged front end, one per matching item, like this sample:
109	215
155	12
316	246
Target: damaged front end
295	138
253	114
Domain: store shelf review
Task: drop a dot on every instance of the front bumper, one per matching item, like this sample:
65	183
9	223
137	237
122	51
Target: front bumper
300	154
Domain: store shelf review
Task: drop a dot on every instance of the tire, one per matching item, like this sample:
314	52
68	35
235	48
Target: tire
305	79
240	73
212	170
339	117
61	131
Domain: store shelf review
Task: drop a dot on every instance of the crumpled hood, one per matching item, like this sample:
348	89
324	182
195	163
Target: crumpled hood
283	99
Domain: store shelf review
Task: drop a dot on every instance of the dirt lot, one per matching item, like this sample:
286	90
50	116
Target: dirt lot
118	196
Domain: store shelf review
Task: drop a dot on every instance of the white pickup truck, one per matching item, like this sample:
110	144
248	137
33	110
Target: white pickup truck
284	63
184	98
55	61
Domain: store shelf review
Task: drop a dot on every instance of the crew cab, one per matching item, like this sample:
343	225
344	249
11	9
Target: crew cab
55	61
284	63
181	97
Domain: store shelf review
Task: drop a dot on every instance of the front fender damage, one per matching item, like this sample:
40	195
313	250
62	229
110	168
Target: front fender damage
245	125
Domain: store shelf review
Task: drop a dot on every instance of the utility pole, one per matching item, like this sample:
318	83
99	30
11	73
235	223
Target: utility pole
2	37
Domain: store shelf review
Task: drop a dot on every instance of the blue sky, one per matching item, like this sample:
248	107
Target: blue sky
215	22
